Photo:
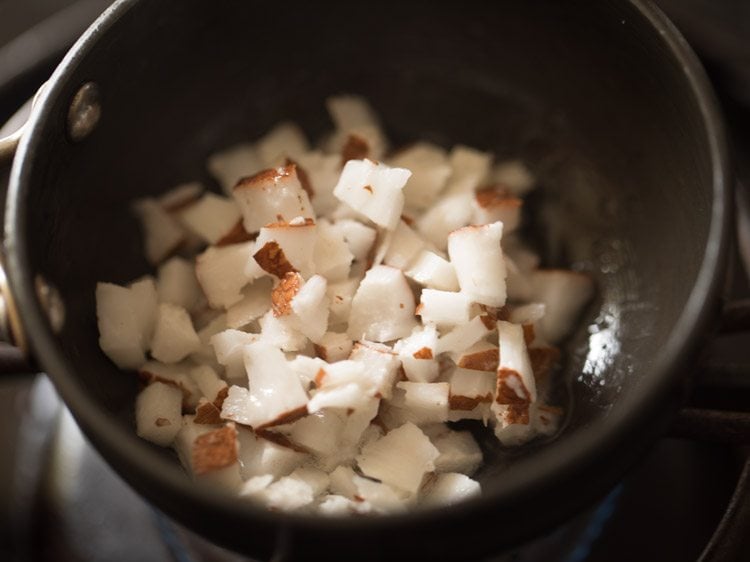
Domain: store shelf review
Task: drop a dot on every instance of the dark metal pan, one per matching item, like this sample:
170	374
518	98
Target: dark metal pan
604	100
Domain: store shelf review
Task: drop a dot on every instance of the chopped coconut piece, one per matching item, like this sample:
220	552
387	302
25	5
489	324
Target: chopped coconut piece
444	308
401	458
459	451
177	375
234	163
285	140
446	215
271	196
212	217
381	366
375	190
162	233
259	456
353	115
423	402
359	237
514	175
482	356
335	505
469	388
174	335
121	335
256	301
565	294
404	246
334	347
177	283
476	254
340	296
286	247
318	433
310	308
281	332
158	413
463	336
515	379
470	167
323	172
418	354
382	497
228	347
223	273
451	488
431	270
430	170
492	205
209	383
383	307
332	256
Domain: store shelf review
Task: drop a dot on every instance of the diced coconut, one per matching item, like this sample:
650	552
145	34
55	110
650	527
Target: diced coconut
335	505
332	255
476	254
355	147
353	115
342	481
307	369
185	438
317	479
565	294
228	346
469	388
381	366
209	383
174	335
383	307
463	336
401	458
253	486
459	451
323	172
492	205
422	402
212	217
431	270
180	196
215	450
359	237
344	384
451	488
444	308
334	347
318	433
222	273
375	190
259	456
162	234
516	425
446	215
287	494
256	301
340	296
285	140
482	356
405	245
286	247
144	300
515	379
470	166
358	428
276	394
382	497
514	175
177	283
430	170
271	196
481	412
281	332
158	413
207	413
233	163
175	374
418	354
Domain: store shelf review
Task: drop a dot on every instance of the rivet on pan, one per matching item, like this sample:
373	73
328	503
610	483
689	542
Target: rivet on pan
84	112
51	302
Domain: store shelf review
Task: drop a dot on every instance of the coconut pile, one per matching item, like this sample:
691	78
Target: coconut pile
309	335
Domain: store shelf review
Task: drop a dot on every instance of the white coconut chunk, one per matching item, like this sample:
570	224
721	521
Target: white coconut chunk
404	246
275	393
401	458
515	426
449	213
177	283
470	388
222	273
418	354
334	347
340	296
492	205
180	196
480	413
565	294
334	505
271	196
322	172
209	383
144	300
158	413
353	115
212	217
423	402
430	170
286	247
381	366
318	433
256	301
375	190
463	336
383	307
281	332
476	254
344	384
309	307
444	308
459	452
341	396
382	497
433	271
228	346
307	368
358	428
176	374
255	485
332	256
205	354
285	140
359	237
174	335
342	481
188	432
212	454
515	378
259	456
315	478
233	163
451	488
514	175
482	356
162	234
287	494
470	167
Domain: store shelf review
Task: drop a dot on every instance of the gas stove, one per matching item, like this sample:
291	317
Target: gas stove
687	500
